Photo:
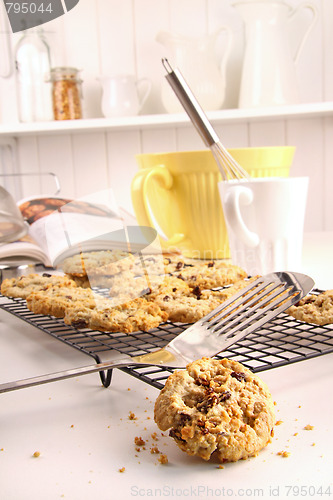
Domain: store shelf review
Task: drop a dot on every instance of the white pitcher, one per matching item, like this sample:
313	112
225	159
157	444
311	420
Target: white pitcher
196	58
123	95
269	67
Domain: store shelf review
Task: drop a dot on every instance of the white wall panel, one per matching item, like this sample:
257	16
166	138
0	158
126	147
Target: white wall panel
267	133
89	163
158	140
121	151
150	17
188	139
28	159
55	155
188	17
116	37
235	135
328	174
326	23
307	136
82	51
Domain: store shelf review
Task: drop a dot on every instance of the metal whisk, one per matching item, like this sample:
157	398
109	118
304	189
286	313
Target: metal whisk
228	166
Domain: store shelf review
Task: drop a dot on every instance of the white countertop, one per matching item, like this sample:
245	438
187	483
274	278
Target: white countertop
84	435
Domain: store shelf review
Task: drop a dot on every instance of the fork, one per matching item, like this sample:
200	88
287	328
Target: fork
243	313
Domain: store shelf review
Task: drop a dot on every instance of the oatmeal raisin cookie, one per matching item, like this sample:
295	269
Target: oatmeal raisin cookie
216	406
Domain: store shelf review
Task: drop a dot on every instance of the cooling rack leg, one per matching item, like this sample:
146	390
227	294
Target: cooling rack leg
106	377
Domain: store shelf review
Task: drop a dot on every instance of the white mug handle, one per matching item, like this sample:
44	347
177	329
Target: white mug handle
234	198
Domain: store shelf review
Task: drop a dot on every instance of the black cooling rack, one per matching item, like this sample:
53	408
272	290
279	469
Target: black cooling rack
280	342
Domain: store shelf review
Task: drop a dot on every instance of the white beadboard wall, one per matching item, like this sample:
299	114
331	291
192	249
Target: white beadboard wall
110	37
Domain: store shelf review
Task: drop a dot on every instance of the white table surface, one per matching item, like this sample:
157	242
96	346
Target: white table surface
84	435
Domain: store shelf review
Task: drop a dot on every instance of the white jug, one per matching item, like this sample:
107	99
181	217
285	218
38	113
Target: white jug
269	67
197	60
123	95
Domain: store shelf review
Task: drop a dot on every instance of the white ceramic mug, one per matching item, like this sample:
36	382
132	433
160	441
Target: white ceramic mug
124	95
265	222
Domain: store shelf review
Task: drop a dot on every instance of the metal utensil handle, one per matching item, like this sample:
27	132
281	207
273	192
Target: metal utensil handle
190	104
56	376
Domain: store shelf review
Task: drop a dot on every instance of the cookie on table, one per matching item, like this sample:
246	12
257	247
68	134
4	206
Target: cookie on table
24	285
216	406
101	263
211	274
83	308
317	309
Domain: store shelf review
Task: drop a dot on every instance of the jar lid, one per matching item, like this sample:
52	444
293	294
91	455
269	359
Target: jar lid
64	73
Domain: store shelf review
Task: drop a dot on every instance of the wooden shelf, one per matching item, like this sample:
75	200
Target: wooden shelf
297	111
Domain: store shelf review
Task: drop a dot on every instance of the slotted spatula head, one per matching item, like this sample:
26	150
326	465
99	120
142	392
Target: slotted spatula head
253	306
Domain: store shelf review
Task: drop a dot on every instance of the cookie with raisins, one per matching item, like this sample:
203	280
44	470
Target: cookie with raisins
317	309
216	407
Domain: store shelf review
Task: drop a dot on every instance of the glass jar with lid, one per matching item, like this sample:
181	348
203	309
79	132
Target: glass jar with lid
66	93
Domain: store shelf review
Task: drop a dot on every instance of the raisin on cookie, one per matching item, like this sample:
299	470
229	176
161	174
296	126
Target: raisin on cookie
216	406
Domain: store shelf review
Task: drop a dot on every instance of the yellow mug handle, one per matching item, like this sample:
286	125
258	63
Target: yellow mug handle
140	189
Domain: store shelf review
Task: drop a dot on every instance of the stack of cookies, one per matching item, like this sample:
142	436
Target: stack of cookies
139	292
142	291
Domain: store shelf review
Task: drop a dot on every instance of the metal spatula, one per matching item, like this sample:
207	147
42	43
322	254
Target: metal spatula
252	307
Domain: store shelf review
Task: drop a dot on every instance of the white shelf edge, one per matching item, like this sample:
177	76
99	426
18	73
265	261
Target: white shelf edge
307	110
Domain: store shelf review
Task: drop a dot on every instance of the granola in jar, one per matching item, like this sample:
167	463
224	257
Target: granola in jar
66	93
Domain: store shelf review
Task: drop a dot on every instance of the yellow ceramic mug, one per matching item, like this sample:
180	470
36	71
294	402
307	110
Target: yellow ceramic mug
177	194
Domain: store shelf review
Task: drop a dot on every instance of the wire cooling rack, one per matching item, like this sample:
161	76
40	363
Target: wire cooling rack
280	342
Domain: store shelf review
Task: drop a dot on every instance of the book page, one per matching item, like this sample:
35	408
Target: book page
60	227
23	251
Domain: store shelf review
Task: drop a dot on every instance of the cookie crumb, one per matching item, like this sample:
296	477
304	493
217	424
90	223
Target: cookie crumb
296	434
163	459
279	422
139	441
308	427
36	454
313	444
154	449
154	436
122	469
283	454
220	466
132	416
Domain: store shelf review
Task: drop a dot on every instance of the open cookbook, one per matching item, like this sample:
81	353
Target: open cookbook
59	228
